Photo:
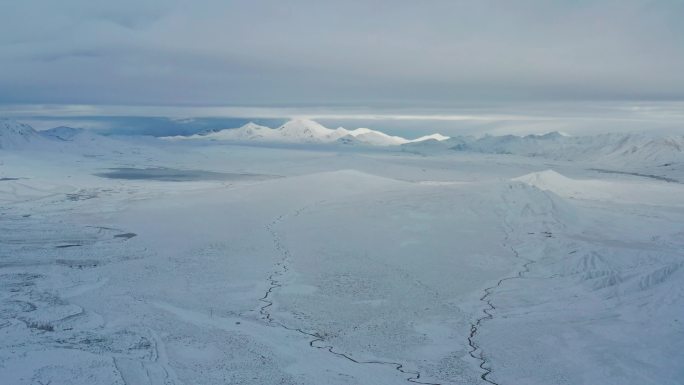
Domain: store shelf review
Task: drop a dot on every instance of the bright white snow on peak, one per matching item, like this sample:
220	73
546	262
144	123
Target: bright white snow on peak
377	138
252	126
307	131
437	137
304	127
248	132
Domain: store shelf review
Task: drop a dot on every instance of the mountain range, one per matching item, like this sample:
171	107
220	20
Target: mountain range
306	131
614	149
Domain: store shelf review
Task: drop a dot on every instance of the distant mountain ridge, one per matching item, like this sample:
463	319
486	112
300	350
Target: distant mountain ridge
63	133
306	131
16	136
613	148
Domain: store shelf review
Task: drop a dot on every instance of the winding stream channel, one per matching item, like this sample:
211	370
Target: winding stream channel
476	351
317	340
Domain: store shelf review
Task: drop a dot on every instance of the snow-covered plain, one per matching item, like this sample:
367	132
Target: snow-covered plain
131	261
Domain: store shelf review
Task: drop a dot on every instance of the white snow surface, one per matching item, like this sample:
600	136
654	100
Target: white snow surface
138	261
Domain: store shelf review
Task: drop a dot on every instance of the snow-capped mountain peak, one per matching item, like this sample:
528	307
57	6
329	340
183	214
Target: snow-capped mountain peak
303	125
551	135
305	130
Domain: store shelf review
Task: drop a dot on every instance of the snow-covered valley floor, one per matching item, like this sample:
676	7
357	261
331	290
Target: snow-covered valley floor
226	264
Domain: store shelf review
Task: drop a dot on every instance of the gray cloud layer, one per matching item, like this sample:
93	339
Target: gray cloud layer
336	53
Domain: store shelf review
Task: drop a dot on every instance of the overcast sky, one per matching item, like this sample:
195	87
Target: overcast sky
337	53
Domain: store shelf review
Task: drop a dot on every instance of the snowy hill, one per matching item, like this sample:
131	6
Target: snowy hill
248	132
561	185
62	133
376	138
15	135
306	131
546	180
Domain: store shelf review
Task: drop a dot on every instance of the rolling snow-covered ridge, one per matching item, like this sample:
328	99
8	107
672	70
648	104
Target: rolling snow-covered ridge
19	136
307	131
650	153
554	145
